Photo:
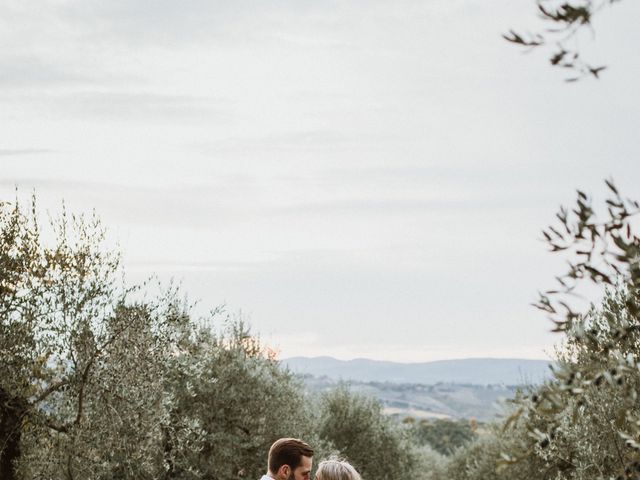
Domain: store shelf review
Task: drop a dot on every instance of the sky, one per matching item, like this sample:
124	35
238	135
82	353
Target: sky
356	179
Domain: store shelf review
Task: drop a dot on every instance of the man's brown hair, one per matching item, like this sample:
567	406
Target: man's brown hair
288	451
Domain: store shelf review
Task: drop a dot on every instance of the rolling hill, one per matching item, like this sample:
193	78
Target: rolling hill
474	371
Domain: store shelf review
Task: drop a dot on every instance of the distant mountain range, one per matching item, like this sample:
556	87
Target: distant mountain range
474	371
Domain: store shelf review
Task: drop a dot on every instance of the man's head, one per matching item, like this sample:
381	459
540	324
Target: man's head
290	459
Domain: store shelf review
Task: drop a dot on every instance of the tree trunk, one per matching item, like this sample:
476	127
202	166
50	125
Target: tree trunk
11	412
167	448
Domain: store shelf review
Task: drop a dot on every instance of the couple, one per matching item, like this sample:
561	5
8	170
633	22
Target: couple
291	459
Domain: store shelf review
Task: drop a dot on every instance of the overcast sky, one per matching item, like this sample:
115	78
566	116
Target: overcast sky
361	179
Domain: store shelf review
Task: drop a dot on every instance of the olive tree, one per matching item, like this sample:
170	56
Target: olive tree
50	300
81	362
231	389
357	428
585	422
441	434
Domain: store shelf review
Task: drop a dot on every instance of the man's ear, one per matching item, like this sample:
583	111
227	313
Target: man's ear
284	471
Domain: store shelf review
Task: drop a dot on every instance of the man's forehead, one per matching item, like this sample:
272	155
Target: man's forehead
306	462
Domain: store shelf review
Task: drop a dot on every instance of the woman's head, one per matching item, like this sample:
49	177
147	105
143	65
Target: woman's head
334	469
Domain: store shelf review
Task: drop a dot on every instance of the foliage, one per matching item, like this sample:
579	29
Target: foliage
232	390
566	19
584	422
599	374
82	363
443	435
357	428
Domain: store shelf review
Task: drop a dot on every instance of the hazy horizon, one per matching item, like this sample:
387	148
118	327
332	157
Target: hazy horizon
545	359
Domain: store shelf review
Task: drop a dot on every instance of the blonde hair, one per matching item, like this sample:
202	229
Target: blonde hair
334	469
